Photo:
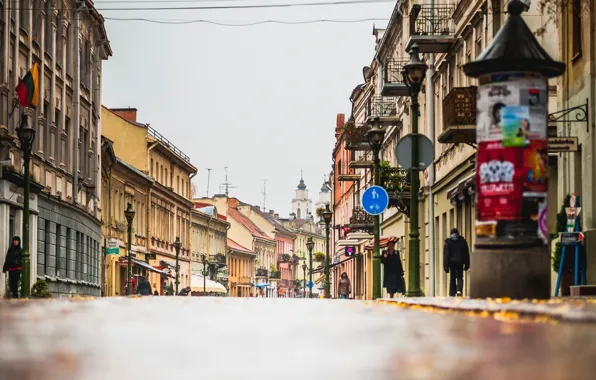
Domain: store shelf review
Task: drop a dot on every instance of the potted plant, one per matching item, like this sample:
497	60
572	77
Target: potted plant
285	257
40	290
319	257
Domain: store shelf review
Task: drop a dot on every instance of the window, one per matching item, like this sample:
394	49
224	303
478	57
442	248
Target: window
68	267
48	29
576	25
58	137
59	250
66	157
69	58
46	247
166	179
24	15
151	167
497	15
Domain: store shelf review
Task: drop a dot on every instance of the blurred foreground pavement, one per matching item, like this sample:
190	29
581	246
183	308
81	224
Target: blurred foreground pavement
259	338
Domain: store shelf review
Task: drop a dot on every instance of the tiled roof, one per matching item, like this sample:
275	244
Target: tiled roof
247	223
237	247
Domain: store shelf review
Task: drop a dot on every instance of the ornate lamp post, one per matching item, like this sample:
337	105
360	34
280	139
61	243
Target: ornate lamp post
304	281
129	213
376	134
310	244
26	137
414	73
511	257
327	214
205	272
177	245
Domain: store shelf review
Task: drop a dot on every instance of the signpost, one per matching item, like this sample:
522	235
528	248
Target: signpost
375	200
426	152
563	144
113	247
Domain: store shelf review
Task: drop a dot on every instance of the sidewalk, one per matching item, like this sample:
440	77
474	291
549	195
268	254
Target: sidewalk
566	309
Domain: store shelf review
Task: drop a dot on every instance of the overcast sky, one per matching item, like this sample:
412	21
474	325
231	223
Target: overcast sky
261	100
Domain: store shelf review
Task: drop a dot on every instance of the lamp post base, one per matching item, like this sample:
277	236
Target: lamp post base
515	272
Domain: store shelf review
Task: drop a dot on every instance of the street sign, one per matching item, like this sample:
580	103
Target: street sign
375	200
150	256
563	144
310	284
426	152
350	250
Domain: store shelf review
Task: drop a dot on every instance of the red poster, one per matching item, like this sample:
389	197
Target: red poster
499	180
536	167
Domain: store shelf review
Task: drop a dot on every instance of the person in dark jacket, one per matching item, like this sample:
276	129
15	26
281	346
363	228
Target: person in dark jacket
144	287
12	265
456	260
344	288
393	271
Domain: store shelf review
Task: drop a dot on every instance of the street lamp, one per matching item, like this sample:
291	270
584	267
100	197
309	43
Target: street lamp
376	135
177	245
304	280
204	272
129	213
413	73
310	244
26	137
327	214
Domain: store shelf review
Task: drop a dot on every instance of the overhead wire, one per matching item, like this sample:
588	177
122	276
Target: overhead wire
219	23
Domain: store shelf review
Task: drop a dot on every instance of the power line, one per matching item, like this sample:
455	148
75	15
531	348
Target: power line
165	1
185	22
254	6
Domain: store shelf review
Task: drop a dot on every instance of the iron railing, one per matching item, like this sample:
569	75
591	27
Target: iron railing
459	106
360	220
393	70
275	274
153	133
380	106
262	272
432	20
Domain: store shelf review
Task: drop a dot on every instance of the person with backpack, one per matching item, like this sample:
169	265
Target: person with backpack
13	266
456	260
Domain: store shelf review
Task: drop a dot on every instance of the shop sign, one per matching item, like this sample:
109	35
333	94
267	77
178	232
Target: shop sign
112	247
512	158
563	144
571	238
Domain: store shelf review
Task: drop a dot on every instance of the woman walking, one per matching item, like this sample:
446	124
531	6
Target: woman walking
344	288
12	265
393	271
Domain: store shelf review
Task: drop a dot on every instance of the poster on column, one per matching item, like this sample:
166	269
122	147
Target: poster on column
511	172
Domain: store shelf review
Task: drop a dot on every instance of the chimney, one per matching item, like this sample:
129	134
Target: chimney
129	114
271	212
339	124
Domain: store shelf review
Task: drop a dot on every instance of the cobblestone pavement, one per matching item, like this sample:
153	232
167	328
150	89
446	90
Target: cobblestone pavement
258	338
566	309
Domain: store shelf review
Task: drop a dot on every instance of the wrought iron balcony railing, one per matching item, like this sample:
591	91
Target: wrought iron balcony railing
459	106
432	20
275	274
262	272
360	220
379	106
393	71
356	137
153	133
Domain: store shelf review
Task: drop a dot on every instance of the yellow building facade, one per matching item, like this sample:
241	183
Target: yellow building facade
168	209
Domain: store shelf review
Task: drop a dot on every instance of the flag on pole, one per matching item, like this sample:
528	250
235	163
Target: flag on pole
28	88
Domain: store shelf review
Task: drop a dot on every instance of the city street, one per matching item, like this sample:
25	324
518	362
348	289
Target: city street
233	338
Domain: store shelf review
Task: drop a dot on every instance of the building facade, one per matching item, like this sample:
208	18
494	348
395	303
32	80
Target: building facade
209	232
241	267
65	229
169	208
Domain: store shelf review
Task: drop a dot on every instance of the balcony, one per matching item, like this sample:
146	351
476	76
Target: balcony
361	163
397	183
383	108
432	28
262	272
361	221
356	138
459	116
393	82
348	177
283	258
275	275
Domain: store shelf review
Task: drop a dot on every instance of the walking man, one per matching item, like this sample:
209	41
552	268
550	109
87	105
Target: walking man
12	265
393	271
456	260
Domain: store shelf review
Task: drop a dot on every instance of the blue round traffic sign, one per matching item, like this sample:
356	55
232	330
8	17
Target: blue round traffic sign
310	284
375	200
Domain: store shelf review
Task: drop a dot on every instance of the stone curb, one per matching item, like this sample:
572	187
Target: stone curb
579	310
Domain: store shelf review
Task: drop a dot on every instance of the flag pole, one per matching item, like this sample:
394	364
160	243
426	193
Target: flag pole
14	106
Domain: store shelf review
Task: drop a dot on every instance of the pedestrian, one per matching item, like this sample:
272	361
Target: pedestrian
184	291
344	288
12	265
155	293
393	271
456	260
144	287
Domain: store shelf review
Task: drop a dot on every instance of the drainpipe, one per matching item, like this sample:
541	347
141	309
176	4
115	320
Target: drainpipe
76	101
97	99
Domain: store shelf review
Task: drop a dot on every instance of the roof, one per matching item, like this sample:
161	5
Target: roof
135	170
247	223
325	187
301	185
237	247
273	220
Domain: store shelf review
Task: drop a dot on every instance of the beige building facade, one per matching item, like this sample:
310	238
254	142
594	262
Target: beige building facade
65	230
209	240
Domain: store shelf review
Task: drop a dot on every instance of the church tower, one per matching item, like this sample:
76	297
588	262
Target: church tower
301	204
324	196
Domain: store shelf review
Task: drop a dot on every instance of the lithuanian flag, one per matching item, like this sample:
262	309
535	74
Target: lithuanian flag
28	88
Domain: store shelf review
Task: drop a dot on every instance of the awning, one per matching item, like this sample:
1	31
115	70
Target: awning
382	242
464	187
167	264
143	264
200	283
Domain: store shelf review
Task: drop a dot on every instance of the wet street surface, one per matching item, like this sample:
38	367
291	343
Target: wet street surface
239	338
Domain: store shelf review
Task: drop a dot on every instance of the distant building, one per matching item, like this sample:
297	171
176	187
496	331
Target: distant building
324	197
301	204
